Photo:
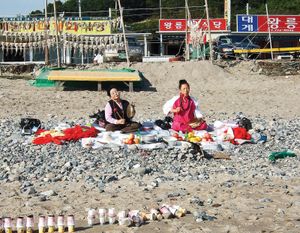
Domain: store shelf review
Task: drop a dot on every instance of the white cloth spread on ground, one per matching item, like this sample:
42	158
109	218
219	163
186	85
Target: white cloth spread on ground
169	105
221	133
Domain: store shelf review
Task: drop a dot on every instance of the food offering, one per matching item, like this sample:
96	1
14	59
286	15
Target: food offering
192	138
207	138
178	137
132	139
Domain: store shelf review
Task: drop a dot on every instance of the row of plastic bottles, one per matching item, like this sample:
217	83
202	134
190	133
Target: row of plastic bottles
23	225
133	217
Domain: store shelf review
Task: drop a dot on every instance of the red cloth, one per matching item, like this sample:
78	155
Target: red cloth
240	133
182	119
70	134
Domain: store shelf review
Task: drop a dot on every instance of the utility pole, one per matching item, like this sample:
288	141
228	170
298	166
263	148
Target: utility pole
124	35
109	13
79	9
187	18
46	34
247	7
160	10
209	33
56	35
269	31
160	34
80	17
227	13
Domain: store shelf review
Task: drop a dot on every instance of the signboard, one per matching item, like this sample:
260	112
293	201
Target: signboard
77	27
277	23
23	18
179	25
85	27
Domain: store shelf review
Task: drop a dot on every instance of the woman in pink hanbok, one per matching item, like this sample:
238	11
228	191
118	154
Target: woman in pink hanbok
187	115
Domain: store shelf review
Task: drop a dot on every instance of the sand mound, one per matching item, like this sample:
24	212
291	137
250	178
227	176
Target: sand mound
217	89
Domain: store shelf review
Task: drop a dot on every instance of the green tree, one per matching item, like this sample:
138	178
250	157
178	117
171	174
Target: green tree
36	13
71	7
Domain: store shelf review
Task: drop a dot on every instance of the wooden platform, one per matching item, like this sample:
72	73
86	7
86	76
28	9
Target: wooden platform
96	76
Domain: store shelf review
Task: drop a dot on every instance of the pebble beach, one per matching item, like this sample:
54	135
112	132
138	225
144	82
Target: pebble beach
248	193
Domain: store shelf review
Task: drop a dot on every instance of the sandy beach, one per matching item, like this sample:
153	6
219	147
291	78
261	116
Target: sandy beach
218	92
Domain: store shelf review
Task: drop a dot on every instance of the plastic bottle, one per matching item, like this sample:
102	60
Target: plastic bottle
42	224
71	223
91	217
8	225
51	224
102	216
29	224
20	225
61	224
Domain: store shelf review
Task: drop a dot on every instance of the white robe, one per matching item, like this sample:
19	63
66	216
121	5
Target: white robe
169	105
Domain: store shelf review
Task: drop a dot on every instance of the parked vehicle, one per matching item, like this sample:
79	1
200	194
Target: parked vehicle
226	44
135	51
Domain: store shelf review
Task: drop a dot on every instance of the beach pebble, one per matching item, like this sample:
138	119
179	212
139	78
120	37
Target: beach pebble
48	193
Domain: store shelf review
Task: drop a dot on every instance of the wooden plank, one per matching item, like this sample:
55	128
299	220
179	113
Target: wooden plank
99	86
131	86
93	76
289	49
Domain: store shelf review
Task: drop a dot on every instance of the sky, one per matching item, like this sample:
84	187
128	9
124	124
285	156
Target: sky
10	8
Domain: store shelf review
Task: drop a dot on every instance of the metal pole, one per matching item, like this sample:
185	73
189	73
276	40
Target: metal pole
187	18
229	14
209	34
247	8
145	46
160	10
160	35
161	44
56	35
46	10
24	52
79	6
109	13
46	34
269	31
123	28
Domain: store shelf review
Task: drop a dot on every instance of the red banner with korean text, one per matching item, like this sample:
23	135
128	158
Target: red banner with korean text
276	23
279	23
179	25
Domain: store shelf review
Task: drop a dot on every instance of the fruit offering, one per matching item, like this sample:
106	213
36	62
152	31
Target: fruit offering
176	135
131	140
207	138
192	138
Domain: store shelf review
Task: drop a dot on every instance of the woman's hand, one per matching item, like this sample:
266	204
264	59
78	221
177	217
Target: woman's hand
120	122
176	110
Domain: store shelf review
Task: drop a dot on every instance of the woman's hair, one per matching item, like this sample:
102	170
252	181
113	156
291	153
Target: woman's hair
182	82
109	89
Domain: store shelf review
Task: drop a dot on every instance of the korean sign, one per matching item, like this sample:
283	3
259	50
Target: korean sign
276	23
179	25
79	27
